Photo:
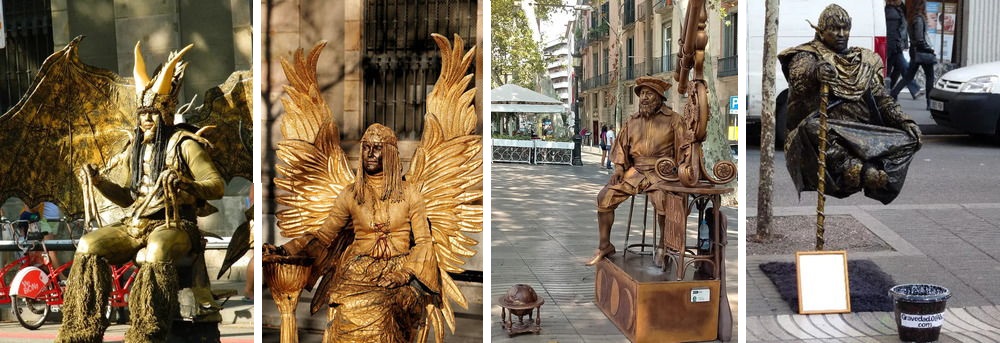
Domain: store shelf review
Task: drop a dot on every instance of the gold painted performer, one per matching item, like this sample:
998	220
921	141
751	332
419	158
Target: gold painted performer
871	140
169	177
391	263
384	244
647	136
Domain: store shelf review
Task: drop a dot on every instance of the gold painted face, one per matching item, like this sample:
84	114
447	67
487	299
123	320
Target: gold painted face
149	120
836	36
371	158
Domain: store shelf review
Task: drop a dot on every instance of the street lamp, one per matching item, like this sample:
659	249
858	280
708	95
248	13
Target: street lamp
577	138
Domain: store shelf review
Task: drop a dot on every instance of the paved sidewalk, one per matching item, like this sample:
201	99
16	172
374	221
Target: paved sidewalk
237	322
544	227
952	245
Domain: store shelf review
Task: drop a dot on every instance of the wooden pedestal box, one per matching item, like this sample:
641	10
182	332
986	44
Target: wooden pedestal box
646	307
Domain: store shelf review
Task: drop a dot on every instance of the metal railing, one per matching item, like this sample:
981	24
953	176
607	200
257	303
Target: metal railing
660	6
663	64
595	82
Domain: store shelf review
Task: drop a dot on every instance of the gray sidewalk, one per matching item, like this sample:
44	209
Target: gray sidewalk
236	327
952	245
544	227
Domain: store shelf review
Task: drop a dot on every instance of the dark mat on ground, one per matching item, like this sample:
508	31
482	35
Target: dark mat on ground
868	283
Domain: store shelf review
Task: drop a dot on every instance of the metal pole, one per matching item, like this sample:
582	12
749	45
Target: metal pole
821	174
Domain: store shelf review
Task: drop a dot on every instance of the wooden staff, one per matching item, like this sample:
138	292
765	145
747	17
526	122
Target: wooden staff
821	182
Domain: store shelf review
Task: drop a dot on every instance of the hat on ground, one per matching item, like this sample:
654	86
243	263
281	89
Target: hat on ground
657	85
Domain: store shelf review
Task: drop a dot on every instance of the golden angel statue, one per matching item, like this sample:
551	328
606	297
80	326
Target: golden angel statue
120	135
383	242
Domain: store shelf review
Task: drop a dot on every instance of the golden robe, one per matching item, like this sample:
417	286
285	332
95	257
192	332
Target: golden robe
388	237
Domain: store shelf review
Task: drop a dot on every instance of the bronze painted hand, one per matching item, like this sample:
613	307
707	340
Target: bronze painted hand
827	73
914	130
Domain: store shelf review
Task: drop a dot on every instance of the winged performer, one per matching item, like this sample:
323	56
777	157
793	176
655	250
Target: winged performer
384	243
134	163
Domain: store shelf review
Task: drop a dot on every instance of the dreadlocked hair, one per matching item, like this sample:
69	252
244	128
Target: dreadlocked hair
162	134
392	170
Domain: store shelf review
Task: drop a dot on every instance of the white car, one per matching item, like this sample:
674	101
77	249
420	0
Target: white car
968	99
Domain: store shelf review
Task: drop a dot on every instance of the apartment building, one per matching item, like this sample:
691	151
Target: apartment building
620	40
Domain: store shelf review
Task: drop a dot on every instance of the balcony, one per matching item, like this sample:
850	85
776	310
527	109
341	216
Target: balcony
663	64
663	6
727	66
595	82
598	32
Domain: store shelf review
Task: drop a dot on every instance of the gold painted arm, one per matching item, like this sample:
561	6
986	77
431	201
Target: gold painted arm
208	183
422	262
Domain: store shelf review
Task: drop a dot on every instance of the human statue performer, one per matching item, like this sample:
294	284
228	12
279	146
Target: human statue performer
871	140
169	176
647	136
383	244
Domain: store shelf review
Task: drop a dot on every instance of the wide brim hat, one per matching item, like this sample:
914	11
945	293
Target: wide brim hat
657	85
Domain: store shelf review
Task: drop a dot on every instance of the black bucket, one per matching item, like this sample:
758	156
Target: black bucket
919	311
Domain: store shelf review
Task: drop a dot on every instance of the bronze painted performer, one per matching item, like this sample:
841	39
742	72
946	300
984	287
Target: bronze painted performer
871	140
647	136
383	244
169	176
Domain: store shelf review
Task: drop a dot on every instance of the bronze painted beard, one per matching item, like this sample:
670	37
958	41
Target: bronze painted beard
647	108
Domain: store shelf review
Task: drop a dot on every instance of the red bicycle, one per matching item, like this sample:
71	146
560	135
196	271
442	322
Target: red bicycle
19	263
35	292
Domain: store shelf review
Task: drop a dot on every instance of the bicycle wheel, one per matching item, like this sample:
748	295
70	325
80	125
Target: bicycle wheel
31	313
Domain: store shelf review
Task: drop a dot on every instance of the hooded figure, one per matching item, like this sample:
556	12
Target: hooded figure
167	178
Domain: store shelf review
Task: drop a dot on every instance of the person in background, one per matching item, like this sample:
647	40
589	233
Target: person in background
921	53
610	138
896	43
604	144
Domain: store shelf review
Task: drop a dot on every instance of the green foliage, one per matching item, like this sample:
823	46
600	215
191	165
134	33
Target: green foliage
516	57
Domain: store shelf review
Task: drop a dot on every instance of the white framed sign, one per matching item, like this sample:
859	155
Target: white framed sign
823	283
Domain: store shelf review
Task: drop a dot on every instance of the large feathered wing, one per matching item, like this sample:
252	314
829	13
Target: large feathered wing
73	114
313	169
447	169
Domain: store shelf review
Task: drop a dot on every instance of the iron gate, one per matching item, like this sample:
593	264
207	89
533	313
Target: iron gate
401	61
28	24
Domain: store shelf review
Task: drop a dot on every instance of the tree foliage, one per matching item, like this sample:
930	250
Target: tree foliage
516	57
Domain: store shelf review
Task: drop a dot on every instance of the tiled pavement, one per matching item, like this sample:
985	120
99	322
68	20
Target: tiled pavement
952	245
543	230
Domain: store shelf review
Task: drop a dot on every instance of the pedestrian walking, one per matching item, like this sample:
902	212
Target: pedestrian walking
921	53
610	138
604	144
896	37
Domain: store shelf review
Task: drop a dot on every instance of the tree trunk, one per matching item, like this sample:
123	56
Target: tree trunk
764	210
716	145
